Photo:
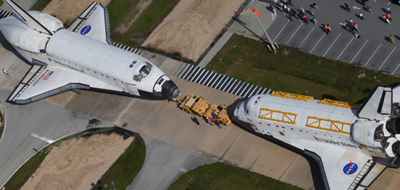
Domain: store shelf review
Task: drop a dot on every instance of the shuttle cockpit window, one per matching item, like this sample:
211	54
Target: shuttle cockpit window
143	72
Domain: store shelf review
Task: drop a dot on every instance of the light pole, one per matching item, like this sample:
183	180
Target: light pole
255	11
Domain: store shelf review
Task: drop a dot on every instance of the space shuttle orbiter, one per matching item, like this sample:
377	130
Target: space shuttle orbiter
353	144
79	57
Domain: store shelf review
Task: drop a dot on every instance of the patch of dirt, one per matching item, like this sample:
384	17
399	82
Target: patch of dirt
68	11
78	162
133	15
191	26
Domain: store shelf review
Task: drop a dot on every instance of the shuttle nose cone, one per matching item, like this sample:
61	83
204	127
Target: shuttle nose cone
170	90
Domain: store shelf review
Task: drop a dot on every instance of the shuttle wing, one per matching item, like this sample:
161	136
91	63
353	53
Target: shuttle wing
341	168
42	82
94	22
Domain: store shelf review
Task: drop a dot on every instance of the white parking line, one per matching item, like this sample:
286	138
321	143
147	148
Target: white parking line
396	69
280	31
345	48
331	45
306	37
317	43
358	52
386	59
42	138
372	55
294	33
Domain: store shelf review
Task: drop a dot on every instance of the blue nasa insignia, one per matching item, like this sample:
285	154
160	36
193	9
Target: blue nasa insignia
350	168
85	30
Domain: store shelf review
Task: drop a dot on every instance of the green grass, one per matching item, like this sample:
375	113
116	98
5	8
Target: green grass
223	176
291	70
40	5
23	174
127	167
145	23
1	3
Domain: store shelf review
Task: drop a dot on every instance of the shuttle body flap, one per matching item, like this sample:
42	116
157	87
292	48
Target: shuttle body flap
94	22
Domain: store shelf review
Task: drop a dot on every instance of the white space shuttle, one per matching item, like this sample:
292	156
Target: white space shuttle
79	57
352	144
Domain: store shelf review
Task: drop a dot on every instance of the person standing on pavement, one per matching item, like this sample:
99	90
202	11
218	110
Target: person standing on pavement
302	10
194	119
361	16
369	8
356	27
391	38
305	19
327	29
209	121
389	16
315	6
385	18
315	21
6	72
351	21
388	10
346	6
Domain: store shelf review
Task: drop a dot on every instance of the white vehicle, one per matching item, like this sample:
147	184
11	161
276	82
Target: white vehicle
352	144
80	57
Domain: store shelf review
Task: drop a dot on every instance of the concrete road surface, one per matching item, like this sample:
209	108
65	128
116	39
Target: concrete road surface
34	126
164	164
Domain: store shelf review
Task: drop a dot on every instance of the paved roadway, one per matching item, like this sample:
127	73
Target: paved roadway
164	164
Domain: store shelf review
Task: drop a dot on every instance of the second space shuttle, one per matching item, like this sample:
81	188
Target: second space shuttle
79	57
352	144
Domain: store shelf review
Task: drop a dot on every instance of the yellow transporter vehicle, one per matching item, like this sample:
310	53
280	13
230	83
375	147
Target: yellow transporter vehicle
197	105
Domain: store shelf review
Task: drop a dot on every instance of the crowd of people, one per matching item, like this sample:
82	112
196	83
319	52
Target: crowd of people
302	14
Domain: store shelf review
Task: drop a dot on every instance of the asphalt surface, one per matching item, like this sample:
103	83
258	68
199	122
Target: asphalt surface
372	50
164	164
31	127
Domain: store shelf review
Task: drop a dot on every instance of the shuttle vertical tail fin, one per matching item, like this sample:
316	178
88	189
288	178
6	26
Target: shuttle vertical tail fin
27	18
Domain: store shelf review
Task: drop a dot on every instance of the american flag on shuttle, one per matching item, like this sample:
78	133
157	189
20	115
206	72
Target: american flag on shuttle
318	139
48	75
82	71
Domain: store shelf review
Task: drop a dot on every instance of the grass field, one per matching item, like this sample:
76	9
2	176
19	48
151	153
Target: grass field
40	5
127	167
226	177
138	31
23	173
291	70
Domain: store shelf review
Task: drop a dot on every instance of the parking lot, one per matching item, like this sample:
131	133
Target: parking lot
372	50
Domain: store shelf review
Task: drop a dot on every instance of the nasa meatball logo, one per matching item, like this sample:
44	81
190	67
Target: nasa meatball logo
350	168
85	30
